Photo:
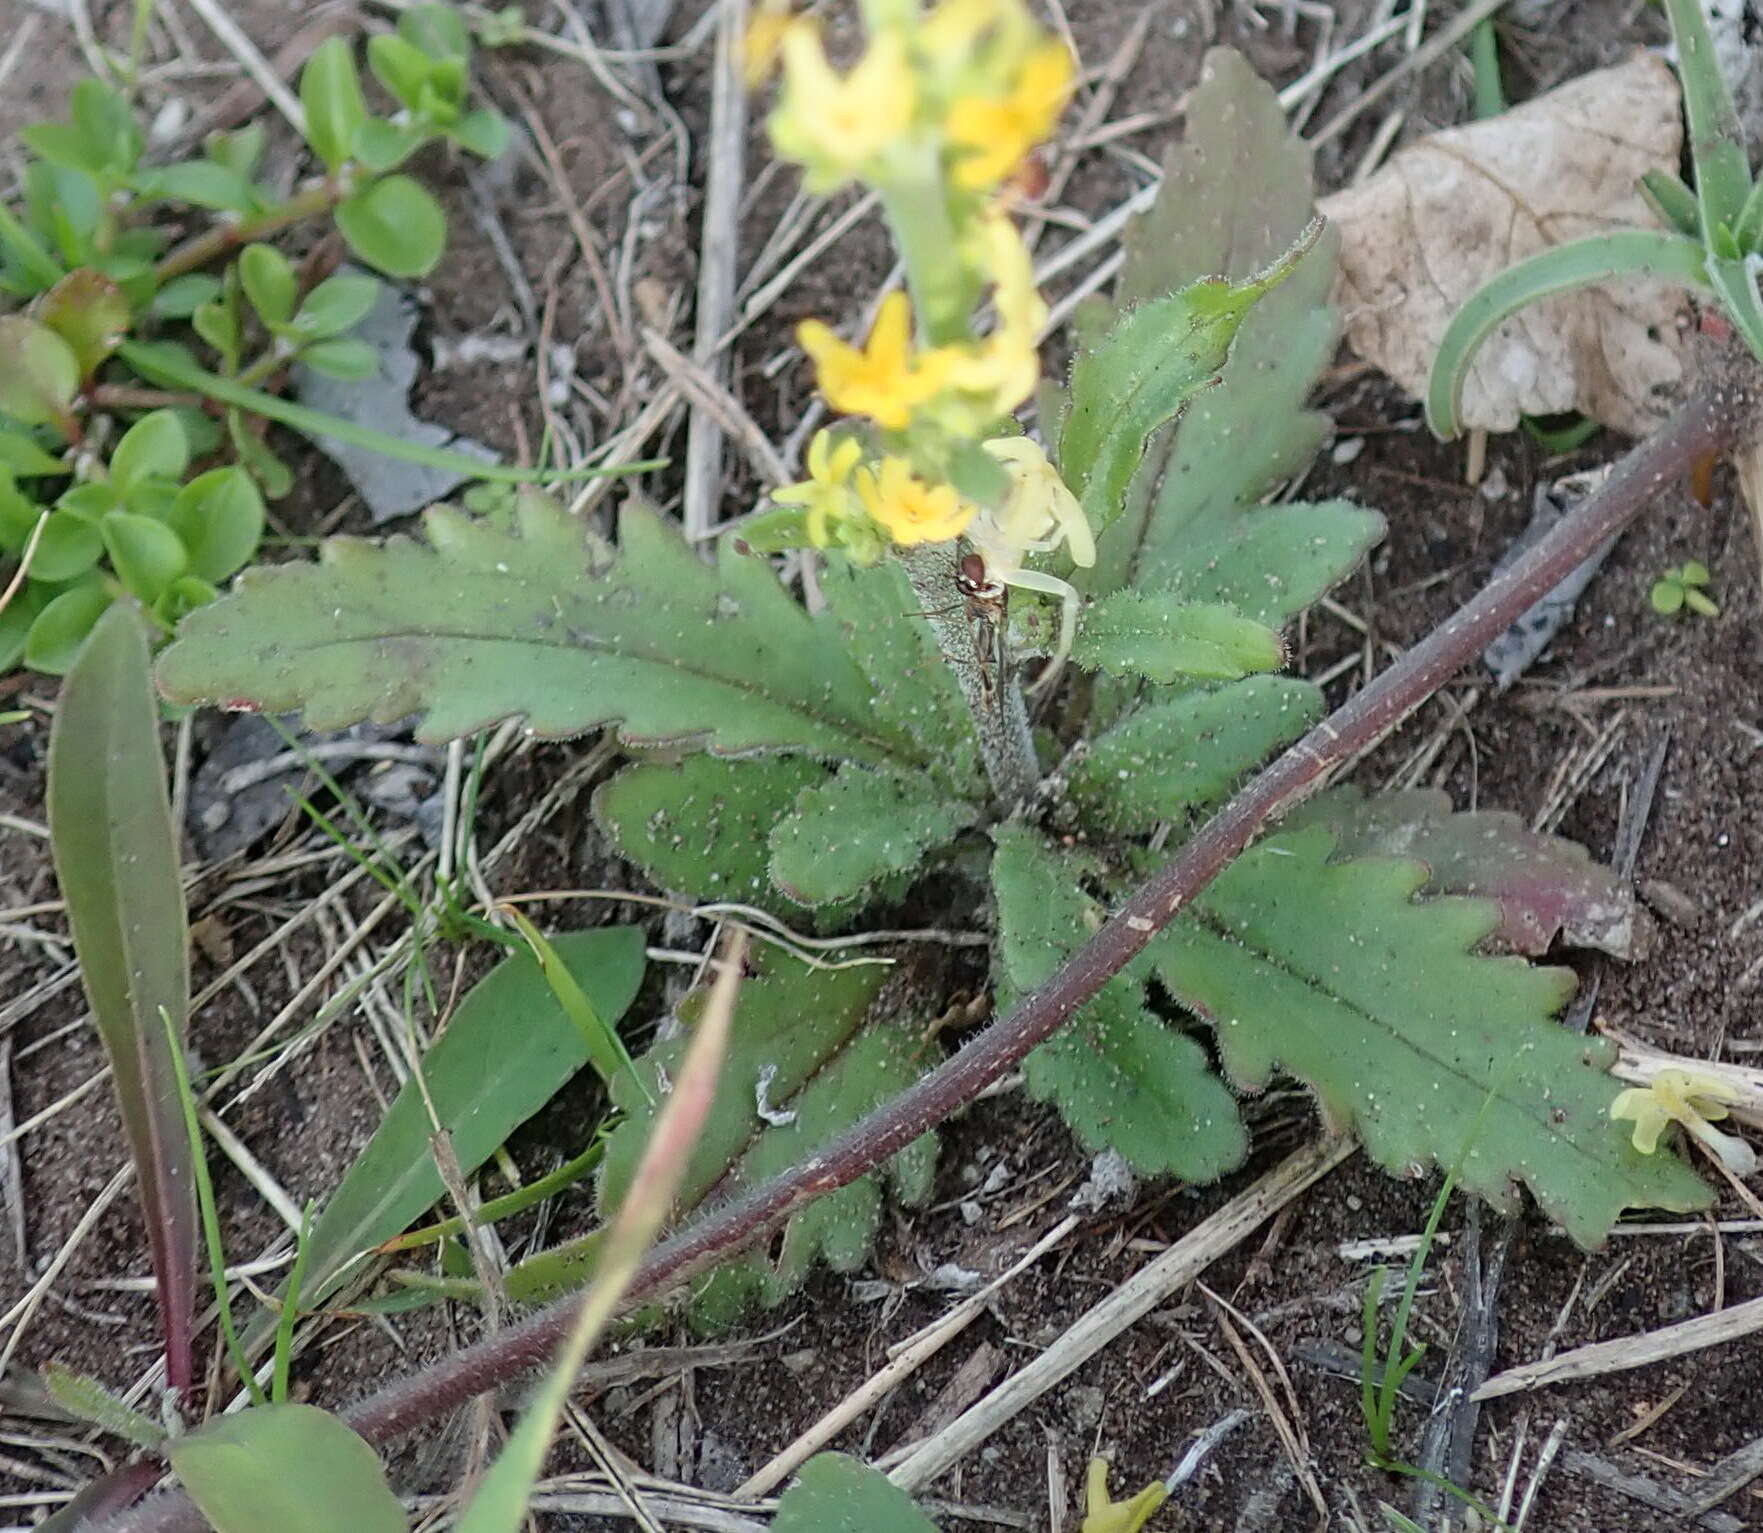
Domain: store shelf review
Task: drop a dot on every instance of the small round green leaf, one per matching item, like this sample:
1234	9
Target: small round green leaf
87	310
382	146
217	321
484	132
70	545
153	448
181	296
202	184
19	514
61	627
335	305
20	455
346	359
396	226
146	554
438	30
1666	597
400	66
270	283
285	1469
218	516
15	623
39	373
106	122
330	91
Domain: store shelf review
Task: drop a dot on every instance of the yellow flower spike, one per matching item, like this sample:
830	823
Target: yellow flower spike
1693	1098
992	136
826	494
836	126
908	509
770	22
885	380
1101	1515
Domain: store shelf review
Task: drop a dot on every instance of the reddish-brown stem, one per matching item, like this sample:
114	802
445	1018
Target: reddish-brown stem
221	237
1710	422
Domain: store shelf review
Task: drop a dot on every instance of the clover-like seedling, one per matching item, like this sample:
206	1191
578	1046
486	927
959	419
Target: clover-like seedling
1682	586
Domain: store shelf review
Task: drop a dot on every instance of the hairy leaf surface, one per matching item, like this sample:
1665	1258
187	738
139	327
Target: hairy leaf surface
808	1057
1542	885
1334	971
545	622
702	826
1236	192
858	828
1123	1078
1163	639
1168	758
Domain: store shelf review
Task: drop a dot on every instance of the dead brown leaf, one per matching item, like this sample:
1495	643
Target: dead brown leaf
1458	206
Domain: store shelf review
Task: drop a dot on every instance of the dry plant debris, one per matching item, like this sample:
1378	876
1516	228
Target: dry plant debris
1459	206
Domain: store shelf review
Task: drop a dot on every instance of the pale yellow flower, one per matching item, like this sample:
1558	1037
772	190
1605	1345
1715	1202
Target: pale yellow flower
908	509
826	494
993	134
1102	1515
838	126
885	380
1692	1098
1038	512
1006	364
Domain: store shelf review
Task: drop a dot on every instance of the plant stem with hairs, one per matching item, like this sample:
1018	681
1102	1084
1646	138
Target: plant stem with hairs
1716	416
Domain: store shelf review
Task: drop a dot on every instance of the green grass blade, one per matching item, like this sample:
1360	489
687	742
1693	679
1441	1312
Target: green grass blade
116	856
506	1206
1717	139
210	1217
1578	263
168	368
284	1331
606	1050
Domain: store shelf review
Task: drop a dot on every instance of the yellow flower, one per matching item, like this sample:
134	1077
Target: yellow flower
765	38
826	493
993	135
910	510
837	126
884	380
1038	514
1008	363
1104	1516
1692	1098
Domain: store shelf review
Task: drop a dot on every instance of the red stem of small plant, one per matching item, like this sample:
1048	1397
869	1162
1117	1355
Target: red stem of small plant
1711	421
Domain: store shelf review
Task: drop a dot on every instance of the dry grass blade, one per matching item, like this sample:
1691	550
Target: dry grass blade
1625	1352
1129	1303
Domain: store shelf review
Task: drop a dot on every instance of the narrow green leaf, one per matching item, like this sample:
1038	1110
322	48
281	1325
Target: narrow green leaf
606	1050
1170	758
27	250
507	1050
285	1469
1381	1003
485	133
836	1494
438	30
89	1400
860	828
171	367
400	66
545	621
337	304
202	184
1717	137
1122	1078
1162	638
330	93
347	359
396	226
1560	269
1675	203
1141	375
702	826
116	857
